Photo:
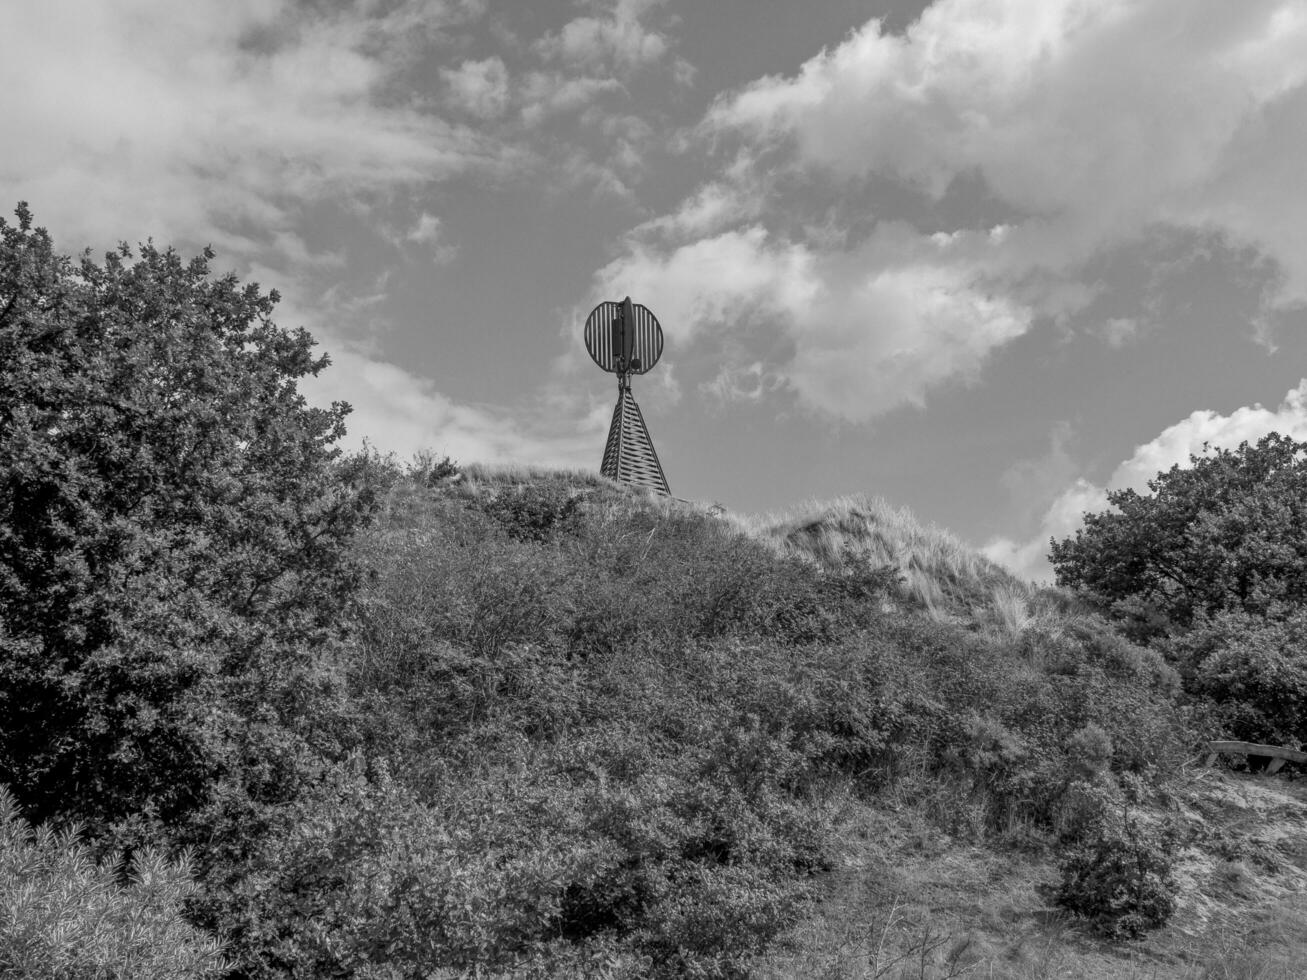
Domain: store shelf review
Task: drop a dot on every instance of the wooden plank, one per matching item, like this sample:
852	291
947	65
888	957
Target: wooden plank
1252	748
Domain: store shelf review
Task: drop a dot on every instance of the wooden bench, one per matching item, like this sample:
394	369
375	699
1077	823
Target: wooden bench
1277	754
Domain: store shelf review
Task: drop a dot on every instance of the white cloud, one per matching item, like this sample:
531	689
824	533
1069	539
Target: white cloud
714	207
1033	483
1172	447
1029	559
741	383
428	234
885	336
1177	442
479	87
713	281
1091	122
613	38
873	329
1096	118
547	94
224	122
402	413
1119	331
213	121
426	231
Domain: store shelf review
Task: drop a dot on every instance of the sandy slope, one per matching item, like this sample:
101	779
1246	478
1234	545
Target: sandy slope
910	902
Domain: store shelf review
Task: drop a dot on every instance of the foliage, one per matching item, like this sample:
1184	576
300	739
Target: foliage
1254	669
174	524
1120	877
62	915
532	512
1227	533
502	869
678	694
426	470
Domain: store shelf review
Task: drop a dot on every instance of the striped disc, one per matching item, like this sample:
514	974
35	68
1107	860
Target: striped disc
643	337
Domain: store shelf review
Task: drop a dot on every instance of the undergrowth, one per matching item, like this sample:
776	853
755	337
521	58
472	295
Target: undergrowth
597	733
63	914
577	731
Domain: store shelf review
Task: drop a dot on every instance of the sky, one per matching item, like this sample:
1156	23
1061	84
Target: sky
987	259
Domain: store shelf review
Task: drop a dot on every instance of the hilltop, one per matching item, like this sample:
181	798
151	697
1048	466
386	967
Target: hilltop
942	733
928	880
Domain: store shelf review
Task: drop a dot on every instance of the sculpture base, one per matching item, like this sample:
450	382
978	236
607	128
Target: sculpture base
629	455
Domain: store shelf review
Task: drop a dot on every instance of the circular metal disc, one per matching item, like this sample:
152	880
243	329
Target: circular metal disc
647	344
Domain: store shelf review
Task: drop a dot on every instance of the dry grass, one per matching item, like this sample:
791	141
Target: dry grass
483	474
941	573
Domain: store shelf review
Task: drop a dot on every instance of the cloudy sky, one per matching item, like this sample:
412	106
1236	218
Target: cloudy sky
985	258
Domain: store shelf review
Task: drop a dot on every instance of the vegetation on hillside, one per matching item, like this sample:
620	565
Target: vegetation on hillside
297	714
1211	568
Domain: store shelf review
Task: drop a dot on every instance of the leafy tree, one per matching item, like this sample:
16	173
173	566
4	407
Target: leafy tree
1228	532
174	524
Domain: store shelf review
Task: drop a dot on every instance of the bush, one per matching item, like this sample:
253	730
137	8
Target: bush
427	471
1254	669
532	512
1119	876
62	915
524	871
1008	723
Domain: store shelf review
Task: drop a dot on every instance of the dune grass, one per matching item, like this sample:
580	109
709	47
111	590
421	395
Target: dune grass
940	573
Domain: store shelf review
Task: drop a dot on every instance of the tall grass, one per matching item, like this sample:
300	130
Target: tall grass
64	915
941	573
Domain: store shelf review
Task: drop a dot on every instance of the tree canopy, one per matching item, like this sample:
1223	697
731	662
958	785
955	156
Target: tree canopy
1226	533
172	525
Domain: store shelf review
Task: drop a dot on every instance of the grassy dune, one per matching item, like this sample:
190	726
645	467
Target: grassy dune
927	882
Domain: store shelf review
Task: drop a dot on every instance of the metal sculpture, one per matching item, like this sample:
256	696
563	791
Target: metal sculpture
625	339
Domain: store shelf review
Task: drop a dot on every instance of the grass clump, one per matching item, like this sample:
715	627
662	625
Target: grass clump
63	914
939	572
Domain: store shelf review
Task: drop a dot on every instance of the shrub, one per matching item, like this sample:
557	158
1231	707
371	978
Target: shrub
62	915
364	873
1090	749
1119	876
1254	669
524	871
426	470
533	512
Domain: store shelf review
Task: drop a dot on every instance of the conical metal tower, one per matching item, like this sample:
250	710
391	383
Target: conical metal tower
625	339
